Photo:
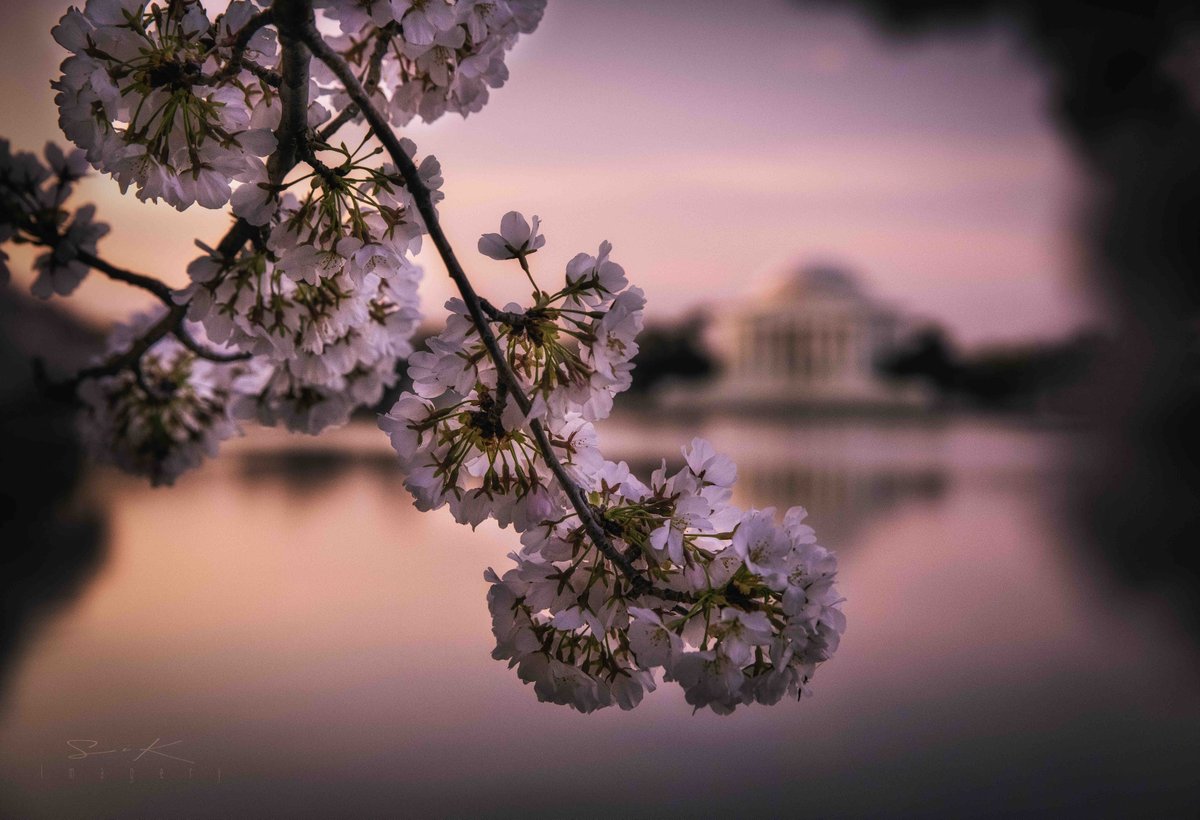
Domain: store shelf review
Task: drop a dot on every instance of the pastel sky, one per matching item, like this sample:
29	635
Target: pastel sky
715	145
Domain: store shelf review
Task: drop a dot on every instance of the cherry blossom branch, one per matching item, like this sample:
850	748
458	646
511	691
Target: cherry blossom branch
631	576
171	324
298	35
424	202
514	320
242	230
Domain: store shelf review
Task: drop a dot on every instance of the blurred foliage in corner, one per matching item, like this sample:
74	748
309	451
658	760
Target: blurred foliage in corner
1044	377
51	541
1124	82
672	352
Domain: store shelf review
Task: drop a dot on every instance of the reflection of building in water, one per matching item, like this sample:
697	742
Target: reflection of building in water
811	342
839	498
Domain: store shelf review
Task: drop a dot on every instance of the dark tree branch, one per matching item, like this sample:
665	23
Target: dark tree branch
159	289
114	365
242	231
424	202
292	18
514	320
374	68
271	78
309	156
375	64
166	296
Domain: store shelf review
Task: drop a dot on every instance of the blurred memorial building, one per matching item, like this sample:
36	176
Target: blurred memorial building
809	343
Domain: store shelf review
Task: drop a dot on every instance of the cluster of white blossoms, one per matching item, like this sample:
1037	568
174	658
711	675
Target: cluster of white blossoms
306	309
327	304
162	417
146	95
32	195
732	605
744	611
183	108
170	102
428	57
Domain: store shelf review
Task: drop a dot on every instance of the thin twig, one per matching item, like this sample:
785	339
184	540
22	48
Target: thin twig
138	280
424	202
166	296
241	40
114	365
189	341
309	156
513	320
268	76
374	69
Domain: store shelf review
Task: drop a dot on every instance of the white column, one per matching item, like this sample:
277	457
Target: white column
841	339
764	347
777	361
802	351
745	347
755	361
839	346
854	356
793	354
810	349
820	348
868	347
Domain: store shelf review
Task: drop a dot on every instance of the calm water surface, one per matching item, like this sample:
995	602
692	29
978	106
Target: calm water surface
311	646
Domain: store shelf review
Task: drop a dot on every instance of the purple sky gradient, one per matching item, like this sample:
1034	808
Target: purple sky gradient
715	144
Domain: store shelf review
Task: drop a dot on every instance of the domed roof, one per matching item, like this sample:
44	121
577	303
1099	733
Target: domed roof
818	281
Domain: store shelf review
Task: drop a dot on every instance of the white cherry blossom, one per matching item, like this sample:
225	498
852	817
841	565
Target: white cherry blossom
516	238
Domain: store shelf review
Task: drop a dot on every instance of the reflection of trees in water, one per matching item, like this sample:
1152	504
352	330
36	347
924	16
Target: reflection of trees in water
308	470
51	545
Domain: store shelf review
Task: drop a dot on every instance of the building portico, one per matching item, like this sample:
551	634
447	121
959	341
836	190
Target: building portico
812	341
